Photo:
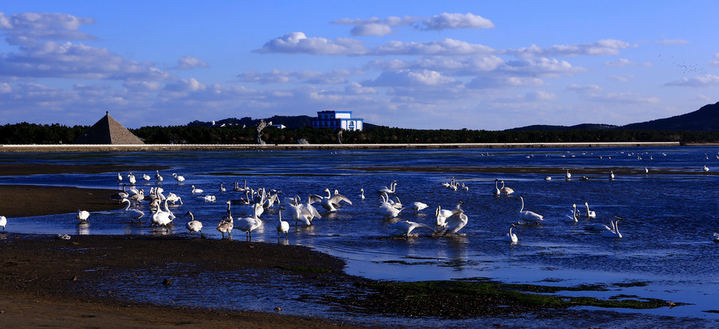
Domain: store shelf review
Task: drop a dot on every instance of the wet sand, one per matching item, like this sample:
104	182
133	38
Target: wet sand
48	282
26	200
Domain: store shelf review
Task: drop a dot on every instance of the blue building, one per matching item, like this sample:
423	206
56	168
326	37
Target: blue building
337	119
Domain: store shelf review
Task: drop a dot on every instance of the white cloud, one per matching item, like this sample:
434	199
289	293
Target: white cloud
189	62
708	80
672	42
298	42
185	85
19	28
584	88
622	78
306	76
383	26
539	95
549	67
716	59
358	89
626	62
454	21
491	81
597	48
406	78
374	25
595	93
446	47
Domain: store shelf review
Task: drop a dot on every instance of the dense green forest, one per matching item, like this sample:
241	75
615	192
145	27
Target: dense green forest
26	133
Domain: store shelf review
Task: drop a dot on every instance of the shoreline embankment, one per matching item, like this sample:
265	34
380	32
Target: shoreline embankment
8	148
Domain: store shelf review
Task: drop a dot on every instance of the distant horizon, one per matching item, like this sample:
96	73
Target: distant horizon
483	66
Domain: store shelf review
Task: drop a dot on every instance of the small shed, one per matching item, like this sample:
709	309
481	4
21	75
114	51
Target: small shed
108	131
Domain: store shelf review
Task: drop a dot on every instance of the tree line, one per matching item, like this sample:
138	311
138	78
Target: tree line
27	133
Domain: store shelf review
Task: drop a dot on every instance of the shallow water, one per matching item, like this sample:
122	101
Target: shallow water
667	229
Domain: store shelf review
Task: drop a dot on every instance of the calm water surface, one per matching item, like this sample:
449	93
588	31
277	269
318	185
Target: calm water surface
668	226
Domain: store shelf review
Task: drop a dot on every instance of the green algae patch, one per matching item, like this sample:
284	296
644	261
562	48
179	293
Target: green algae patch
466	299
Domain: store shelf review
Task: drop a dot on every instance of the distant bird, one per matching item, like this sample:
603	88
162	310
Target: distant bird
283	227
405	228
210	198
158	177
611	175
613	232
511	236
716	235
362	194
528	214
119	178
227	223
548	178
590	213
178	178
193	225
83	215
418	206
568	175
196	190
575	215
137	214
706	169
3	222
131	178
222	187
506	190
646	170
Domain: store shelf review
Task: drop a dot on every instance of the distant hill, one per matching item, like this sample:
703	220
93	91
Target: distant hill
704	119
583	126
291	122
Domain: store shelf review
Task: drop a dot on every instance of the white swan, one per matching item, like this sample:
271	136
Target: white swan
405	228
456	222
646	170
210	198
590	213
174	198
83	215
119	178
137	213
575	215
442	215
568	175
131	179
178	178
511	236
389	211
388	190
548	178
196	190
716	235
222	187
613	232
330	202
227	223
706	169
145	177
418	206
283	227
304	213
496	188
3	222
162	217
506	190
193	225
362	194
158	177
249	224
528	214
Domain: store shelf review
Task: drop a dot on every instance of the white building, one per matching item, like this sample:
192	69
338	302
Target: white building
337	119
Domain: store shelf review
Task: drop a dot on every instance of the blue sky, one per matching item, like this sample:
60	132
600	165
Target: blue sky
419	64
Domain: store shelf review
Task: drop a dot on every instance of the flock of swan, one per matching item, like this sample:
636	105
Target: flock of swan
254	202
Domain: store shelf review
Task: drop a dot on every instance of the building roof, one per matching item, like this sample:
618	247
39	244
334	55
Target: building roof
108	131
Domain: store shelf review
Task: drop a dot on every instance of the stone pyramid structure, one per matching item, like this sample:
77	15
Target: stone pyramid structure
108	131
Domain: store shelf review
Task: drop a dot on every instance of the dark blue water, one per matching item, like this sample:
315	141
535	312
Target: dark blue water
667	229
